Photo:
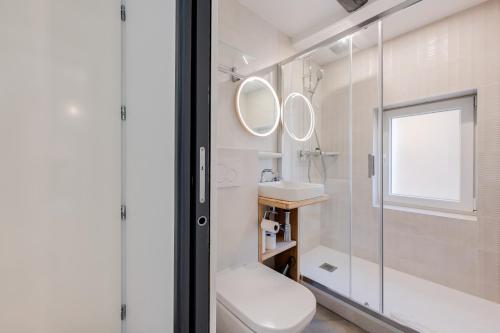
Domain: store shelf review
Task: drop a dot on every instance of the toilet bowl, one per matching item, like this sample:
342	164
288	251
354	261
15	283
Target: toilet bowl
255	298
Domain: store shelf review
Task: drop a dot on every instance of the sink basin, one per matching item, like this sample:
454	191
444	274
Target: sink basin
290	191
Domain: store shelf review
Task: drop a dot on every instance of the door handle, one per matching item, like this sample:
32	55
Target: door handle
371	165
202	175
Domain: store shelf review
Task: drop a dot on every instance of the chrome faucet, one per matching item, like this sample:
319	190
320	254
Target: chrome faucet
274	179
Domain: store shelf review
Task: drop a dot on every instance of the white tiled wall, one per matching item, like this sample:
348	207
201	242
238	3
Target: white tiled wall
458	53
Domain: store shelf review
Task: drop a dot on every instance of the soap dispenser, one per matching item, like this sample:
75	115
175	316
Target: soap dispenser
287	232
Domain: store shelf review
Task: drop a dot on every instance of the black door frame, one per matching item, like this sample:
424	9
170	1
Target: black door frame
192	189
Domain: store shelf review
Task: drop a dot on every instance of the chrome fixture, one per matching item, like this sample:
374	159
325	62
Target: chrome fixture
305	154
352	5
235	76
319	77
275	178
312	90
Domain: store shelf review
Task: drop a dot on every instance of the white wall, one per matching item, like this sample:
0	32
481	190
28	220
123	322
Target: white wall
237	207
264	46
243	30
59	175
236	212
150	151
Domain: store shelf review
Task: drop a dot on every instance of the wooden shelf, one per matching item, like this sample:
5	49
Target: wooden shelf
280	247
291	204
284	250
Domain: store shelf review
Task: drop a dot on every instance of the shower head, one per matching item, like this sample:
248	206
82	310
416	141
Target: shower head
352	5
319	77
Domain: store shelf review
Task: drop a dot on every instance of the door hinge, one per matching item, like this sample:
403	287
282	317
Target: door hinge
123	212
123	312
123	13
123	112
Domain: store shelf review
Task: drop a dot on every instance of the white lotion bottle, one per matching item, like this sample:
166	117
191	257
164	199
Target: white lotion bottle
287	237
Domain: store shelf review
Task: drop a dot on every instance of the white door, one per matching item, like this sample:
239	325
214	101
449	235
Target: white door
59	166
149	48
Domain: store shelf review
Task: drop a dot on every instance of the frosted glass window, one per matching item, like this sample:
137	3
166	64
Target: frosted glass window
425	160
428	154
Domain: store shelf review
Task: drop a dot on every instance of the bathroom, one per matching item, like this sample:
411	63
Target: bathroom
424	255
250	166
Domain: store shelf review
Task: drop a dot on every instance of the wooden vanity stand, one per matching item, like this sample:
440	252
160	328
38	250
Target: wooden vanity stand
278	257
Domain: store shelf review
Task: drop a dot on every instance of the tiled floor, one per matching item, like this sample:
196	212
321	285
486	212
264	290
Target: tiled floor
326	321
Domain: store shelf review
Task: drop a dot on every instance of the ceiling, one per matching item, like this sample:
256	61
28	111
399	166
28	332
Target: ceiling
294	17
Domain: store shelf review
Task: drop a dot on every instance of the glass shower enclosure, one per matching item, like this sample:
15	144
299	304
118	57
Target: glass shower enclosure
406	145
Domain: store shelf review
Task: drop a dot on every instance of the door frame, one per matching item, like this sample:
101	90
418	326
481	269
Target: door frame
192	189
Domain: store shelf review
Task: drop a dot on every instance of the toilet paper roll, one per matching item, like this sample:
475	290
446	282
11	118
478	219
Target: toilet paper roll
270	226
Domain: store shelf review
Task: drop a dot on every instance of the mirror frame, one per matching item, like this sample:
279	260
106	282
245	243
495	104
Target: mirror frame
311	117
276	104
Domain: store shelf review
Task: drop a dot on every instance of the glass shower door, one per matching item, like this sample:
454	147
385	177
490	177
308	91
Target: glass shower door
324	78
366	218
340	247
332	258
442	225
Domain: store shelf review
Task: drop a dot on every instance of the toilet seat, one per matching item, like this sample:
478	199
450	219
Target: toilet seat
265	300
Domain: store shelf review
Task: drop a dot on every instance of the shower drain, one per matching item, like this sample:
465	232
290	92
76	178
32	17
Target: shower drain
327	267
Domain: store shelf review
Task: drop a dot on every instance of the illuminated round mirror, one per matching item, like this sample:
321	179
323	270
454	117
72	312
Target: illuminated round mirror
297	115
257	106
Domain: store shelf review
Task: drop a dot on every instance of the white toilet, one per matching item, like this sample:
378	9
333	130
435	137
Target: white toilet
255	298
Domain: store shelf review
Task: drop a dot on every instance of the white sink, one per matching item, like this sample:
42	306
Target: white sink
289	191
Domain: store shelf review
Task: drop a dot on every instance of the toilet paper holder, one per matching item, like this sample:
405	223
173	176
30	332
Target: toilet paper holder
268	213
267	216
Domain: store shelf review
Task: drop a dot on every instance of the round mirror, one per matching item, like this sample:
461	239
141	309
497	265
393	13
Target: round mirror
297	115
257	106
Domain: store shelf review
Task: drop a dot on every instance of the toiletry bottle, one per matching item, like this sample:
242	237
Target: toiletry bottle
287	237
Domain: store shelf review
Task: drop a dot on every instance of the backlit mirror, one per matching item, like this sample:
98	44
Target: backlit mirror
257	106
298	117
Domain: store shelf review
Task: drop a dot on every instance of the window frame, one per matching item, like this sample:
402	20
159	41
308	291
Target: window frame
466	103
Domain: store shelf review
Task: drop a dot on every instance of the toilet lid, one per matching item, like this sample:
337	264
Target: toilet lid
265	300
